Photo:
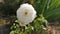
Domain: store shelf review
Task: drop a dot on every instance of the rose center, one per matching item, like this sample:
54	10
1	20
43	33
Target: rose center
26	13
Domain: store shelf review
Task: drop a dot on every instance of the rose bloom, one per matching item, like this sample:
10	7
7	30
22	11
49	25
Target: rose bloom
26	14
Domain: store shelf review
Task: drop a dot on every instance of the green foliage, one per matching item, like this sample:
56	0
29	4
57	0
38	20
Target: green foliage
53	14
40	23
53	11
40	6
54	4
15	29
48	8
37	25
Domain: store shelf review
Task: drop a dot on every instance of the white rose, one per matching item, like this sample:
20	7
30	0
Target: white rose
26	14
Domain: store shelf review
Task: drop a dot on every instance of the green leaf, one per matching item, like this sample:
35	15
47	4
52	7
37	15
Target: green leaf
12	32
53	14
53	4
40	5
